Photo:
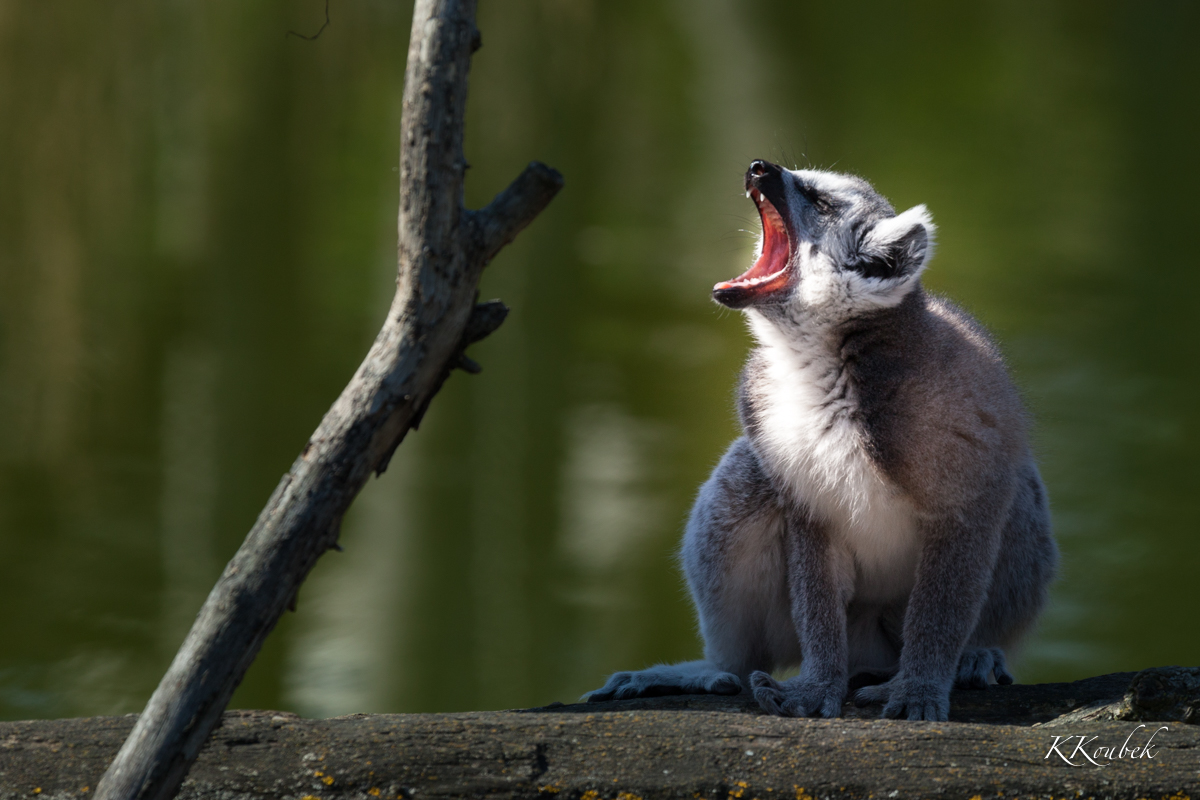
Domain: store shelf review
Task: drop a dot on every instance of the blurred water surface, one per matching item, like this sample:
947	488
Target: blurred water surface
197	238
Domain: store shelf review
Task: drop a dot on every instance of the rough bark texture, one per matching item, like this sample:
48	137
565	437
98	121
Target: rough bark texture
443	249
676	747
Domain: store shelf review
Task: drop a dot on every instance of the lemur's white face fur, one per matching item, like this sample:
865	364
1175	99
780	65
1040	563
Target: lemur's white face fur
831	246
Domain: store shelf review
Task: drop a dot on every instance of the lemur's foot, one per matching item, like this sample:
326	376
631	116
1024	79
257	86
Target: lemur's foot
907	699
978	664
664	680
798	697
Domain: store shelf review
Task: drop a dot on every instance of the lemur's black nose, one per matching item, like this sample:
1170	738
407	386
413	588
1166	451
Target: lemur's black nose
760	174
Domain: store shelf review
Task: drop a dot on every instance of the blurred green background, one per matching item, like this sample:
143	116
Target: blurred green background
197	245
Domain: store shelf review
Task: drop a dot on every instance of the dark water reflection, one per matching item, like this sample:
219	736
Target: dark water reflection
197	222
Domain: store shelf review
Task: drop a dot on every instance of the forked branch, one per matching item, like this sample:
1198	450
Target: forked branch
443	249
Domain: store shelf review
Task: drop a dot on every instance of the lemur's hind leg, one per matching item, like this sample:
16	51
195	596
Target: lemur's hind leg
1027	562
734	559
689	677
979	664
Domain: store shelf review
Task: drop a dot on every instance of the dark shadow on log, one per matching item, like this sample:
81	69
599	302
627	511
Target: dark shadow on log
443	249
666	747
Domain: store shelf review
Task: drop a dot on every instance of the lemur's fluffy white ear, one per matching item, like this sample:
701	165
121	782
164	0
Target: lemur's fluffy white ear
904	243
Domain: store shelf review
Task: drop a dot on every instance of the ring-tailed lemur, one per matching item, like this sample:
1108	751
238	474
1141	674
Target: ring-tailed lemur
882	517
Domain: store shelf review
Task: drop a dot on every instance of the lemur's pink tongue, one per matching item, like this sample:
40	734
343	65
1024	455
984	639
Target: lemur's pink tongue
769	272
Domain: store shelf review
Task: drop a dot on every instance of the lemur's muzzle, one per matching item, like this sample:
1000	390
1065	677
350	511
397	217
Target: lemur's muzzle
771	272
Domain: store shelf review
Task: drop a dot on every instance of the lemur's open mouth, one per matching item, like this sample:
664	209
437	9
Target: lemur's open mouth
771	272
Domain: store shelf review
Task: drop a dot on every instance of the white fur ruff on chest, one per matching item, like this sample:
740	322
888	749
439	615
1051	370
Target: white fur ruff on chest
811	443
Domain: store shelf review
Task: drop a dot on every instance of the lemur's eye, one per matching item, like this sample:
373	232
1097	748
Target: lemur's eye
818	200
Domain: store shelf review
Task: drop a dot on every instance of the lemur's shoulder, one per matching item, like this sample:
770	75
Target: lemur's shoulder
939	413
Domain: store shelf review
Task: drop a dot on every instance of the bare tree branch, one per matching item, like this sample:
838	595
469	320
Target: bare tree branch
443	249
320	30
511	210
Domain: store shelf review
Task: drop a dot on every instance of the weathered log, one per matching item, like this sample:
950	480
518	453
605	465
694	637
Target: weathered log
676	747
443	249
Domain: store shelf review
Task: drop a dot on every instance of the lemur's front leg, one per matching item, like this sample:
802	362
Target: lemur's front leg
820	583
953	576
